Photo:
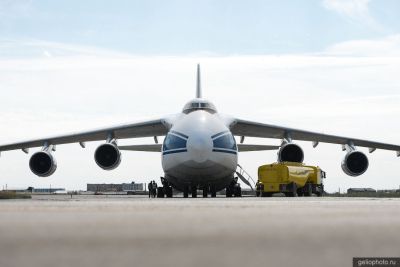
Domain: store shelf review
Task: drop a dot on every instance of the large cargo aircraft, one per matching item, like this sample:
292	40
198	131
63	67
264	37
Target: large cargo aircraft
199	150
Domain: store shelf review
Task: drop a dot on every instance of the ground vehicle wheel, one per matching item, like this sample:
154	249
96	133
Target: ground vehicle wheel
300	192
319	190
307	190
292	190
160	192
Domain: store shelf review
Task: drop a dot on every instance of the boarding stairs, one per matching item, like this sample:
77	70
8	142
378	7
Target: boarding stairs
245	177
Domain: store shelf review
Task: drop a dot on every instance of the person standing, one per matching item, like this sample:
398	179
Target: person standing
154	186
150	188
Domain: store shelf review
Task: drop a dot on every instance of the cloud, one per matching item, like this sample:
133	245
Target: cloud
387	46
32	48
355	10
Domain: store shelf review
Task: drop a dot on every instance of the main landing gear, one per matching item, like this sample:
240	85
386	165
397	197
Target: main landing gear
206	190
189	189
209	189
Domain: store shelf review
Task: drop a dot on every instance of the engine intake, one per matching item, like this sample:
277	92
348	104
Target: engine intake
43	164
291	152
355	163
107	156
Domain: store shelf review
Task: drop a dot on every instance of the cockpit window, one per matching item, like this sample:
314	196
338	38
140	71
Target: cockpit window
199	104
225	141
172	141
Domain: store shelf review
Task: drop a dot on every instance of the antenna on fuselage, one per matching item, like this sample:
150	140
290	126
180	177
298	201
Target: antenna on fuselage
198	83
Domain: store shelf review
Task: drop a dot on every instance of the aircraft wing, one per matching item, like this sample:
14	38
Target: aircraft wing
157	147
255	129
146	148
246	147
157	127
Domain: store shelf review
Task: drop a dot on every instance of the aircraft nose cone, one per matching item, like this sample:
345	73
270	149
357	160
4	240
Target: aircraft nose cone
199	147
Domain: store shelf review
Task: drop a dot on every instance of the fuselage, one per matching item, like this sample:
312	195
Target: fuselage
199	150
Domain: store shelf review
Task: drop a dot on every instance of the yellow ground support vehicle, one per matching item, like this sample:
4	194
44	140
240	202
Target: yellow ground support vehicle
290	178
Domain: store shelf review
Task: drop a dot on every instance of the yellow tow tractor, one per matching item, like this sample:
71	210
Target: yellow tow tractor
291	178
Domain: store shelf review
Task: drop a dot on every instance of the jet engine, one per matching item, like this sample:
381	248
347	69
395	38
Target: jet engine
355	163
290	152
43	164
107	156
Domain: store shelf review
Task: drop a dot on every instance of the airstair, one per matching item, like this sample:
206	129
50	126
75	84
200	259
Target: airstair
245	177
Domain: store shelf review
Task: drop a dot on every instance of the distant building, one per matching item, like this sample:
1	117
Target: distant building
47	190
124	187
388	191
360	190
38	190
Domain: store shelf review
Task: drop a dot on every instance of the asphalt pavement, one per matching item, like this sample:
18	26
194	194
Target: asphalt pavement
57	231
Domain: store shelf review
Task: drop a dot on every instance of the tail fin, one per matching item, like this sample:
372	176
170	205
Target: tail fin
198	84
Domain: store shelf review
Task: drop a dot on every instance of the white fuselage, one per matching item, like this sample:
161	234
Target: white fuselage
199	150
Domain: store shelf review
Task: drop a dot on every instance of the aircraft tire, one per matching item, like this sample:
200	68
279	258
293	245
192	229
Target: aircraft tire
228	192
194	192
213	191
205	191
186	192
168	191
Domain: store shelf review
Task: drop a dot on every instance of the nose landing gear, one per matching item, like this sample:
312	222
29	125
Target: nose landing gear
209	189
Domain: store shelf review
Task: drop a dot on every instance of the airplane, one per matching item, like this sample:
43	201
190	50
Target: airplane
199	149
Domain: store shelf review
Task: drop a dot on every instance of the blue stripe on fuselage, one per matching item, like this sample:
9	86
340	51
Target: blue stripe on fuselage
174	151
218	134
225	151
180	134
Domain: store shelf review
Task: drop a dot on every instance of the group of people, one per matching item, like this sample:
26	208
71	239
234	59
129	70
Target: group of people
152	186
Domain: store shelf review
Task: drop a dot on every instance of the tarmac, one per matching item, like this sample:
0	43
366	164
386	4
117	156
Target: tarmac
50	231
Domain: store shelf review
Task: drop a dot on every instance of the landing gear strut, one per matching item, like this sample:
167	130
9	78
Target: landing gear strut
213	191
194	191
186	191
205	191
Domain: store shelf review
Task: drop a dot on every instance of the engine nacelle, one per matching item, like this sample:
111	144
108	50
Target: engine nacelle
355	163
107	156
43	164
290	152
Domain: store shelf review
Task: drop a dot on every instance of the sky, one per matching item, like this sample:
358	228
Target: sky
330	66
